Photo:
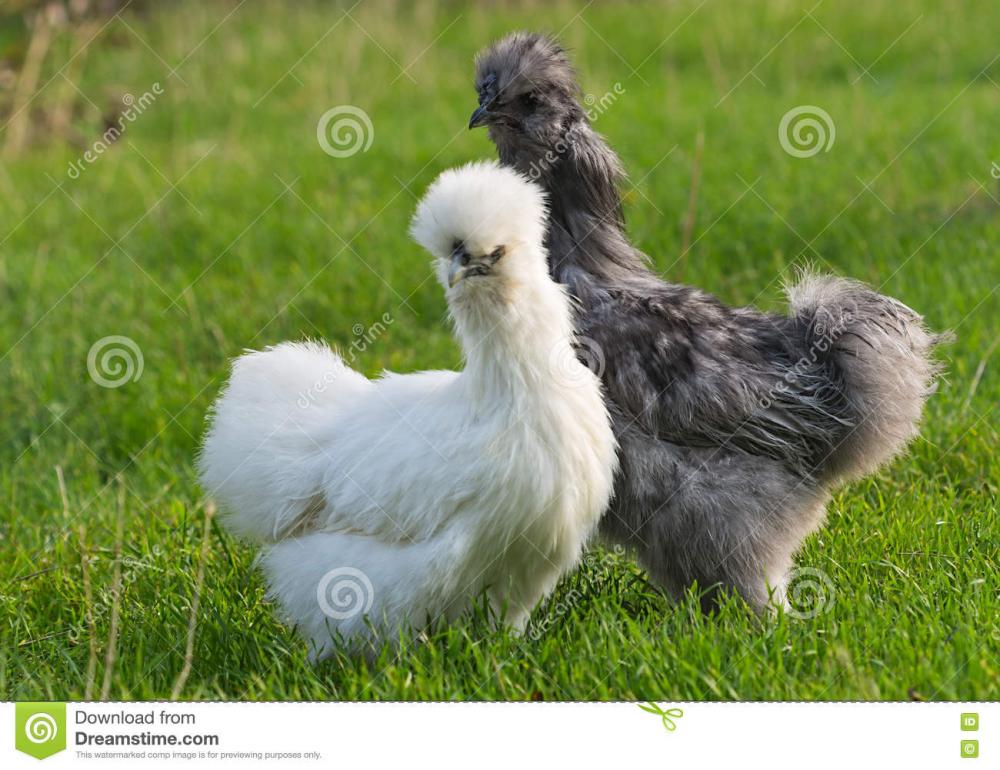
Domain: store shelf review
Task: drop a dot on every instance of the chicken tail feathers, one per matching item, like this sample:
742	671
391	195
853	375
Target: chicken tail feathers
270	432
882	356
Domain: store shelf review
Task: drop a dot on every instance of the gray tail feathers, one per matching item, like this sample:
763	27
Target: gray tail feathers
882	356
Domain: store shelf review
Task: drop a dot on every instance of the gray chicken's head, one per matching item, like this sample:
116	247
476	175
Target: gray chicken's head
528	97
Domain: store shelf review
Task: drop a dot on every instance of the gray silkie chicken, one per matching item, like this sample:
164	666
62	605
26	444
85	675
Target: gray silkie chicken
733	424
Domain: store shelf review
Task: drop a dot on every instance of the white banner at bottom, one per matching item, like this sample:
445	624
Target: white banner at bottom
936	736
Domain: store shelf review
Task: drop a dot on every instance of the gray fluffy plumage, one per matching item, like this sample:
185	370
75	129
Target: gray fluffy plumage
733	424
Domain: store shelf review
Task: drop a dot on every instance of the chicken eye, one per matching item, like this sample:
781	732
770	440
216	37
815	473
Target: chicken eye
458	250
497	253
529	100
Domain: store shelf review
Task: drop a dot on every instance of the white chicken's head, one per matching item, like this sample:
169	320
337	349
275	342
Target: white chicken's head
485	224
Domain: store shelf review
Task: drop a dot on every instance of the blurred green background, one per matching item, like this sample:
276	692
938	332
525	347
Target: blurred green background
216	222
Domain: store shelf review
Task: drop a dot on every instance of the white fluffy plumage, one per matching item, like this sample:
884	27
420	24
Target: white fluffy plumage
387	503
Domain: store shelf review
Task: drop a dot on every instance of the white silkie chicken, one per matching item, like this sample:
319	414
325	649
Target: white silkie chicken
390	503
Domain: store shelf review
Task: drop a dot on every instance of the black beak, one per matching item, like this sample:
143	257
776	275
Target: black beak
480	117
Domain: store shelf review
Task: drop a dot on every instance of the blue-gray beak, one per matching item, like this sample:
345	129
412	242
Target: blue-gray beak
480	117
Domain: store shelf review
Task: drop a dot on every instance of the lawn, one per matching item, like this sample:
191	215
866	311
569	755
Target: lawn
216	222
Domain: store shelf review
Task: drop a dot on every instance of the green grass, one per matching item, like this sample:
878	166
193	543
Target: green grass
231	258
